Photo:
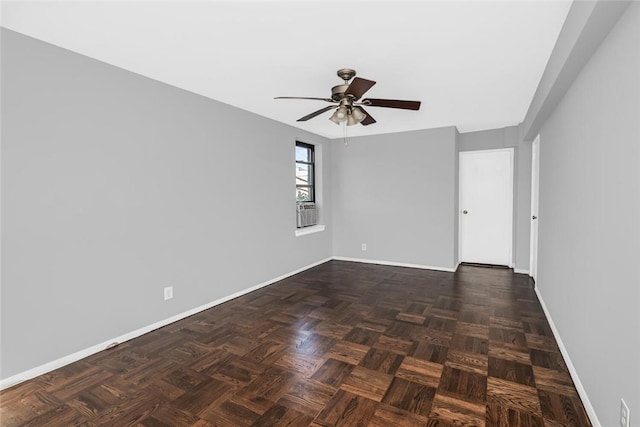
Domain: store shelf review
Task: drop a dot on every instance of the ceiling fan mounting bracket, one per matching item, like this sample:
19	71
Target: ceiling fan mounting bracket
346	74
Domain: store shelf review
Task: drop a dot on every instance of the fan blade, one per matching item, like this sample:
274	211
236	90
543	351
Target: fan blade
367	120
316	113
304	97
392	103
358	87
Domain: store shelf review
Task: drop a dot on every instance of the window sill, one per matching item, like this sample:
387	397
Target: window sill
310	230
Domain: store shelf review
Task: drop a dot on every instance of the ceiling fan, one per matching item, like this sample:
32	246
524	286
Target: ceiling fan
346	101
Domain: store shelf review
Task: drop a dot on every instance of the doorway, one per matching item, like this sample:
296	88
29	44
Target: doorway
486	207
535	185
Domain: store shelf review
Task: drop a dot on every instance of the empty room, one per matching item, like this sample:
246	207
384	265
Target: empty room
304	213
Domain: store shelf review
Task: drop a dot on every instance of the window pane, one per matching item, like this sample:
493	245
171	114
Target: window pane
303	154
303	194
305	168
304	174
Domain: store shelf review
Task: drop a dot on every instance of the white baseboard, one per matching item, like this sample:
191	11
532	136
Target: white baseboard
395	264
63	361
591	412
521	271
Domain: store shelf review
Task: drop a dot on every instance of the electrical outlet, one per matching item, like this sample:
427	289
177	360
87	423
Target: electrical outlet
168	292
364	246
624	414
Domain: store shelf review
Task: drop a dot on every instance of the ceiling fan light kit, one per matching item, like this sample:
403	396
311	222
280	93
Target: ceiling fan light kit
351	120
356	116
346	101
347	113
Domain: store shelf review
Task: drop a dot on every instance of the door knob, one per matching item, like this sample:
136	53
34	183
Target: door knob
534	217
465	212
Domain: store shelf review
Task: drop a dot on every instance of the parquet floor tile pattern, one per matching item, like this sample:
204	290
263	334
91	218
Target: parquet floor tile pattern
341	344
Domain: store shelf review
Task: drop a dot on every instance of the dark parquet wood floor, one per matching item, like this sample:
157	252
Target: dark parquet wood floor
342	344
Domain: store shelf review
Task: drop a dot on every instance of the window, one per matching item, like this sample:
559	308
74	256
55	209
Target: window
305	173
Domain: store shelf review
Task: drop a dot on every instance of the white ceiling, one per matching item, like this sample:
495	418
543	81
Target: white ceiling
473	64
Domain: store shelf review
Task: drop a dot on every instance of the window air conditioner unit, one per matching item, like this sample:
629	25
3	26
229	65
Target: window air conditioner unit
306	214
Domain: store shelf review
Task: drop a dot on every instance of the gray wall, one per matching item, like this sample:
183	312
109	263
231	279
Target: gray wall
115	185
396	193
589	241
509	138
586	25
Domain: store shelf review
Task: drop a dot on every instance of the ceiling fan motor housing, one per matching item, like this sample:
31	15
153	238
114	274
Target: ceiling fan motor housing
337	92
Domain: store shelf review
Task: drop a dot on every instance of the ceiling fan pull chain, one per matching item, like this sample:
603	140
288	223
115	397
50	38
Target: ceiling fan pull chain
344	128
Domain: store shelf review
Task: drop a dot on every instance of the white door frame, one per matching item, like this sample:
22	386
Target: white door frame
511	200
533	218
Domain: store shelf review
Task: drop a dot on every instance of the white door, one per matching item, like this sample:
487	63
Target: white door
535	182
486	206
